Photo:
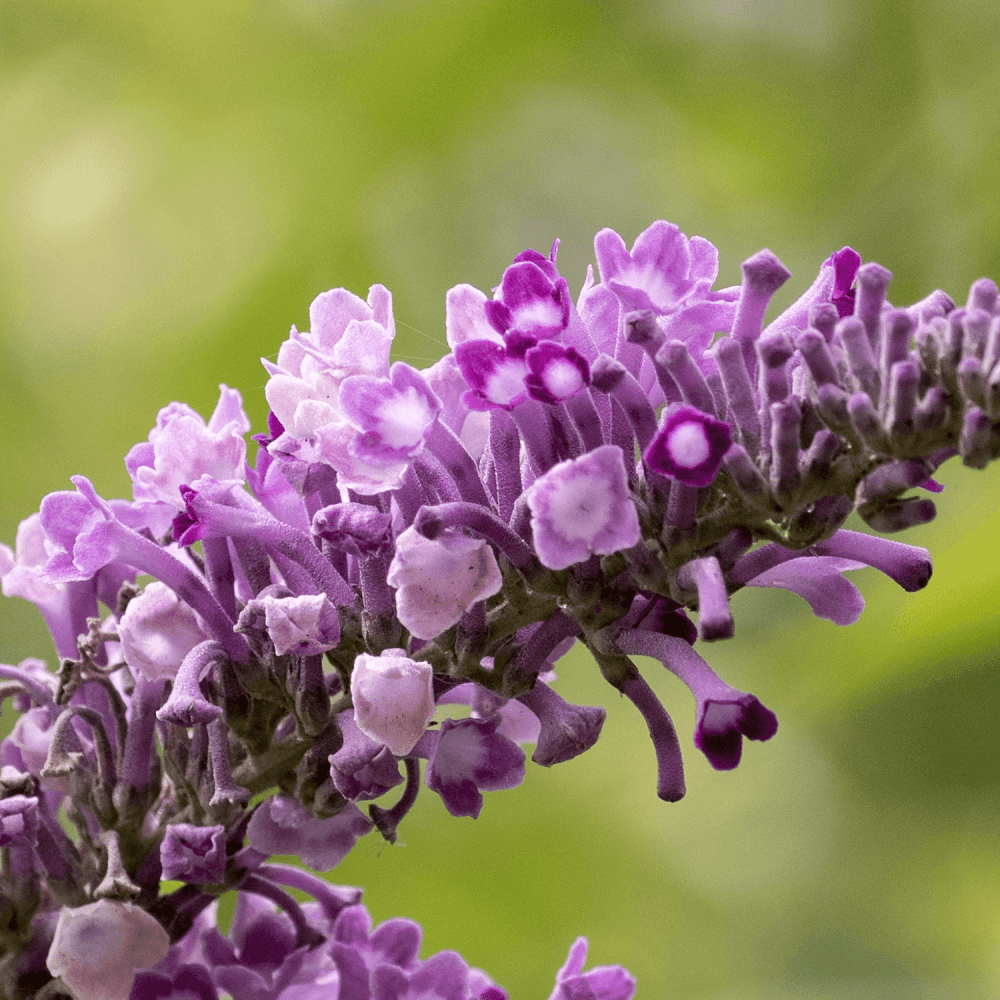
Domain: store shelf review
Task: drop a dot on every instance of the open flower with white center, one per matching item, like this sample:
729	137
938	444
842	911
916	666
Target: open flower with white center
689	447
582	506
393	698
556	372
385	422
325	418
439	579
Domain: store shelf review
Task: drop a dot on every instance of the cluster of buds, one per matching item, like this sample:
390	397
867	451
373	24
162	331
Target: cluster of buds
569	472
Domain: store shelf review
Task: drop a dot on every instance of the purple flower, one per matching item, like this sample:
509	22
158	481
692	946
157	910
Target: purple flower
194	853
306	625
281	825
385	423
358	950
367	430
18	821
689	447
98	947
582	507
606	982
517	722
532	304
362	769
662	269
532	298
494	372
446	381
444	976
157	631
65	606
469	757
393	698
182	448
186	982
265	957
438	580
555	372
355	528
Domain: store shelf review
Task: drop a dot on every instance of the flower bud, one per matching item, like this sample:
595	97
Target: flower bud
194	853
393	698
18	820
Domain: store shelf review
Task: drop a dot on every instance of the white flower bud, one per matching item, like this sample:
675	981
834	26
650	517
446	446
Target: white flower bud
393	698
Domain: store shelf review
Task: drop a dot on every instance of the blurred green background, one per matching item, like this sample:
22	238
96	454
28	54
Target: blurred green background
179	179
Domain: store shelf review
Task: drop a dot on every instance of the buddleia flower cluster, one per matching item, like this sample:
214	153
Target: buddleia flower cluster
590	471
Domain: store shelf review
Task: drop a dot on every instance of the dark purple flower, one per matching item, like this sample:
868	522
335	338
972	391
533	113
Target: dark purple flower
725	715
470	757
722	725
532	299
689	447
495	374
555	372
194	853
186	982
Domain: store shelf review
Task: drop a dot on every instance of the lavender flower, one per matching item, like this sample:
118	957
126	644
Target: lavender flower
182	448
438	580
98	947
19	821
582	506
